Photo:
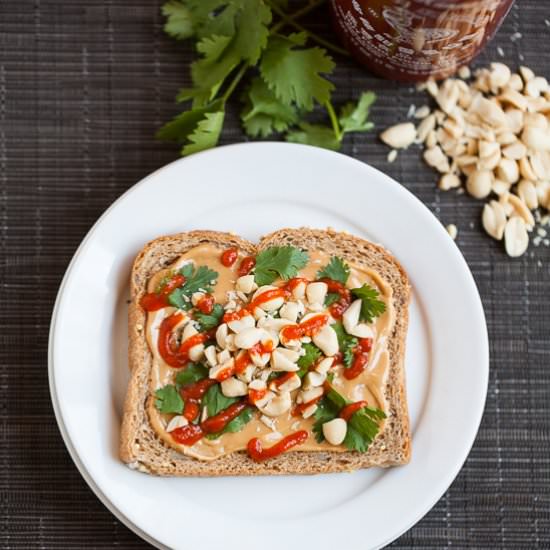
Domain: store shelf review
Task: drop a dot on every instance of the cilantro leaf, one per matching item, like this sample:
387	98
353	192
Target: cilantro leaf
184	124
354	440
209	320
305	361
278	261
215	401
264	113
294	73
206	134
179	20
325	412
168	400
252	31
219	59
239	422
331	298
371	306
362	426
241	35
346	343
316	135
193	372
353	117
336	269
200	279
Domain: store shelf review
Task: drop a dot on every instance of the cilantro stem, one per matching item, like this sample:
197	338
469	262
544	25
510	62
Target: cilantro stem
297	14
236	79
334	121
290	20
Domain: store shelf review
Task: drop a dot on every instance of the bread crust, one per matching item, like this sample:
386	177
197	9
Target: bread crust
142	449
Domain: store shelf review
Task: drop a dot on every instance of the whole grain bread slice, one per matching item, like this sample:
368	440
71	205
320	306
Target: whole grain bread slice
142	449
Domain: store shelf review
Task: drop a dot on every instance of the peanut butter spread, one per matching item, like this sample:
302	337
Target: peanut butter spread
268	426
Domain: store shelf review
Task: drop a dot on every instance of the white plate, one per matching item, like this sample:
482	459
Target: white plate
252	189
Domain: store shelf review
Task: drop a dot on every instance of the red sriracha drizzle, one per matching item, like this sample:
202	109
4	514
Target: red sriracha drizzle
190	434
246	265
291	284
267	296
307	328
167	347
360	359
229	257
187	435
171	354
337	309
153	301
206	304
258	453
261	299
299	409
347	412
217	423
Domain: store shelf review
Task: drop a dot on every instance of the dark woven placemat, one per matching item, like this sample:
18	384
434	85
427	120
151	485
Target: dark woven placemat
83	87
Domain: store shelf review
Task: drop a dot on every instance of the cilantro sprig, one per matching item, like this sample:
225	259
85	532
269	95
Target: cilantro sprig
363	426
278	261
168	400
346	343
288	74
336	269
215	401
305	361
209	320
193	372
202	278
371	305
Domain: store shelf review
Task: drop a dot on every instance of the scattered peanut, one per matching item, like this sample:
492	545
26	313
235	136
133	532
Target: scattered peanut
491	133
399	136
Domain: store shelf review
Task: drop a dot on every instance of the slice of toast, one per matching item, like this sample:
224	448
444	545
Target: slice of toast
142	449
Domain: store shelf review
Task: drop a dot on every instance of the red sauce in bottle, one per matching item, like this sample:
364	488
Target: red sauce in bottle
246	265
348	411
415	39
229	257
153	301
258	453
307	328
206	304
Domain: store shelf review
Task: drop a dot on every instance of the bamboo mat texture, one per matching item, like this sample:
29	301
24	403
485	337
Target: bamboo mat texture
84	84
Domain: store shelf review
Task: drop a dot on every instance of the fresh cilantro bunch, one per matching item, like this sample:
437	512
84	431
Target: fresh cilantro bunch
287	75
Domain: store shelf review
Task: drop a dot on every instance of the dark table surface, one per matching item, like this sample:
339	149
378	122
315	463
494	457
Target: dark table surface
83	87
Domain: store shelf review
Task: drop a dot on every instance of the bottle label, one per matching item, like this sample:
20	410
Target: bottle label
413	37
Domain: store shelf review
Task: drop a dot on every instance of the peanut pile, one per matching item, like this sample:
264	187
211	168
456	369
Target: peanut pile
490	135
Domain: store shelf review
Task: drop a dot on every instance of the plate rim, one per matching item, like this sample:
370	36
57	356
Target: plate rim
484	340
